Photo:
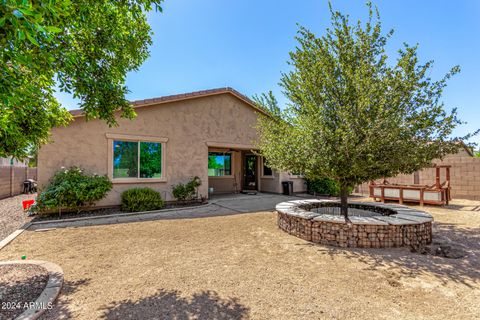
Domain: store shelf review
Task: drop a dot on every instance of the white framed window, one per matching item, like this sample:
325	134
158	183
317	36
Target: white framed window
136	158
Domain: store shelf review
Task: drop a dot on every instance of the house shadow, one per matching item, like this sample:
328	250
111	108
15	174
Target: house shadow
407	264
170	305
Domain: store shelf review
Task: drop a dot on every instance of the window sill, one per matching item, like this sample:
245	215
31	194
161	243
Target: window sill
220	177
139	180
267	177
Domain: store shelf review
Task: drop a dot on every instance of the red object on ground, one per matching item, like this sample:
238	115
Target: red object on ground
27	204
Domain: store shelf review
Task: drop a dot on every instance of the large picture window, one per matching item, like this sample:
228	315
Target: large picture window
219	164
132	159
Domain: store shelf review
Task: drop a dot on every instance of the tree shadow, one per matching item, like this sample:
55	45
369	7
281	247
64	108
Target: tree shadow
17	294
408	264
169	305
462	207
60	308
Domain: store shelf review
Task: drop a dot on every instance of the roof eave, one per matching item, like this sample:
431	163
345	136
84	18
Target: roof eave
182	97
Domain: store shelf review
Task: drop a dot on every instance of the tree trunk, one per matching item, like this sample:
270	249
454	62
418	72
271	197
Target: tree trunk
344	201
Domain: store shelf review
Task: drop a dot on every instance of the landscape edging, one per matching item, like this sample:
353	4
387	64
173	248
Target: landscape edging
49	293
19	231
114	215
13	235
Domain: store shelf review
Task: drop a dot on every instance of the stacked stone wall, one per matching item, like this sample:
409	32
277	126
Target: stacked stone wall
413	229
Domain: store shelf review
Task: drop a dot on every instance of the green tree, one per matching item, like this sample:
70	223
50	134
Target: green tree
85	46
125	159
352	116
150	159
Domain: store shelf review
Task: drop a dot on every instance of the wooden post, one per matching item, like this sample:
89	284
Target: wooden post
400	200
421	196
383	194
449	197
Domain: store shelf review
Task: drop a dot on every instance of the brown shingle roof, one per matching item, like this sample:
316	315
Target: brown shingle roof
184	96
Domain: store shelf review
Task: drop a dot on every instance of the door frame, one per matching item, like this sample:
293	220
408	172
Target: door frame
244	156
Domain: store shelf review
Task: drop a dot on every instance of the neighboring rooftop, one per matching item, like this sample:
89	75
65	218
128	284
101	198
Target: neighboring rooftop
184	96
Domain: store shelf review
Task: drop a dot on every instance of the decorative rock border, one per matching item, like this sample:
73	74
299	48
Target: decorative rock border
394	226
49	294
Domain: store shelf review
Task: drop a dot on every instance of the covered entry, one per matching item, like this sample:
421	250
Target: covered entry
233	169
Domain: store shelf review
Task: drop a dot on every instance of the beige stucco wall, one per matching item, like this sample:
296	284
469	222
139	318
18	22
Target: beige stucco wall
188	125
271	184
299	184
274	184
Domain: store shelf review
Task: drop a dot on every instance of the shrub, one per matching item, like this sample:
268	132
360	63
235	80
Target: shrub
186	191
325	186
141	199
71	189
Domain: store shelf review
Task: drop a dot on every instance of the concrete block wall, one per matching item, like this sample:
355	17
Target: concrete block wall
464	176
12	178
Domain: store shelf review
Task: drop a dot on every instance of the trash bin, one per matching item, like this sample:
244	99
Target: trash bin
287	187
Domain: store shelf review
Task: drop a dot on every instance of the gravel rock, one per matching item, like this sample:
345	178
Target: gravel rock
12	215
20	284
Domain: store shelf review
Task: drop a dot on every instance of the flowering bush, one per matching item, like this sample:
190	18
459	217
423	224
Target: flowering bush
71	189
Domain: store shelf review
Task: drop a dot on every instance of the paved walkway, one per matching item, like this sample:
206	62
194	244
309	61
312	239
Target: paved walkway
218	206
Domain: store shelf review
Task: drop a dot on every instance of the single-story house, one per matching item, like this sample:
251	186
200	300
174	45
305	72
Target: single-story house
209	134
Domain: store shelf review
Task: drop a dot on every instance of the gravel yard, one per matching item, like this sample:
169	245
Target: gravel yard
243	267
12	216
20	284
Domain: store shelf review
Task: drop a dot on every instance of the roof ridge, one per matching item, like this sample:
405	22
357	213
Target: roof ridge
182	96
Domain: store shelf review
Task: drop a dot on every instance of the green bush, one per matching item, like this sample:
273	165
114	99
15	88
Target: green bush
141	199
71	189
325	186
186	191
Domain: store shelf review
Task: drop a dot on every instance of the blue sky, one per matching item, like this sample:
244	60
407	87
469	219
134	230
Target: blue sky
244	44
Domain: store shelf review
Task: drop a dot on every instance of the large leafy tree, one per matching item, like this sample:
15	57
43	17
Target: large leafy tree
354	116
85	46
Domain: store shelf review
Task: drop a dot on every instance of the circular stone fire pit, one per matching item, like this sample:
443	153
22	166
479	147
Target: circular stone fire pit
372	225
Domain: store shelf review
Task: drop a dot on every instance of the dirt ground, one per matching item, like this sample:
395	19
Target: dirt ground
243	266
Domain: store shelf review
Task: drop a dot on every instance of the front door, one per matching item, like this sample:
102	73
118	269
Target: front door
250	172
